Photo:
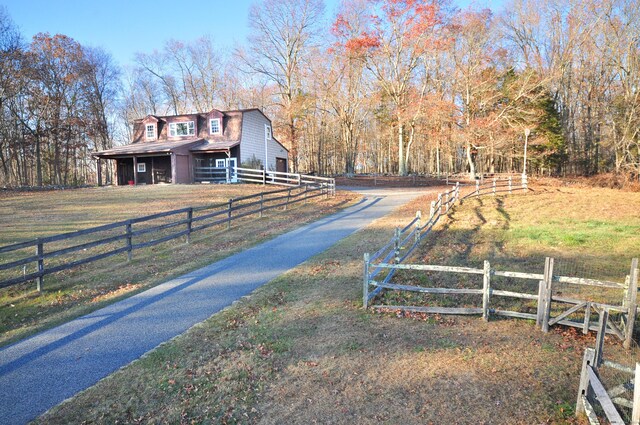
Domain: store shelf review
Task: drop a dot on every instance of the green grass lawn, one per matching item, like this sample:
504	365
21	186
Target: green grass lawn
301	350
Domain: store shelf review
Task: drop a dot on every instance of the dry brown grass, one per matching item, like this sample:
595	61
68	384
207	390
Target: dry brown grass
75	292
300	350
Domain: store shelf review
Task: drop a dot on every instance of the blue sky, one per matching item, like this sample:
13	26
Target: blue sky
124	27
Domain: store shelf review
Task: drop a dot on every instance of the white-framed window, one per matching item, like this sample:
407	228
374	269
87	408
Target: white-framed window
267	132
150	131
186	128
214	126
142	167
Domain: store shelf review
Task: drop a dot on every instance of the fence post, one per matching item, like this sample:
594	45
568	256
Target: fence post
494	187
299	179
632	303
635	413
288	198
129	244
457	191
477	187
40	254
229	213
486	288
365	287
261	203
587	319
189	224
446	203
548	292
264	176
602	331
419	217
541	298
524	182
432	212
439	204
397	246
583	389
510	185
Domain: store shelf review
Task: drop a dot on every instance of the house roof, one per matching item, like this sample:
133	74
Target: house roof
215	145
149	147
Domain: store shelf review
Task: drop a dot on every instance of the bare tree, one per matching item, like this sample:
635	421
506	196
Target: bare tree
282	33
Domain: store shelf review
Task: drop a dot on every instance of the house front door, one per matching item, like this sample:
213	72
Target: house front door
232	175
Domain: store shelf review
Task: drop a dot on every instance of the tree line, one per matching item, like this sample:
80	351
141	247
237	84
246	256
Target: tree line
376	86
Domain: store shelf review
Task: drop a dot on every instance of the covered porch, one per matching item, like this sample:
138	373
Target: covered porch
150	163
215	162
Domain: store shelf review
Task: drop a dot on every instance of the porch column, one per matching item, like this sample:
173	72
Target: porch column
99	168
174	173
135	170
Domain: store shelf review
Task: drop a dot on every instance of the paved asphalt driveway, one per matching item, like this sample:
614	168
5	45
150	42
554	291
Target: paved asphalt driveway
41	371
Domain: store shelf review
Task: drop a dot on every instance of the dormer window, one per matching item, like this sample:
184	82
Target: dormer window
150	131
214	126
177	129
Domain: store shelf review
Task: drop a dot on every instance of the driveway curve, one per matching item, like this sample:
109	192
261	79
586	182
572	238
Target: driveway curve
45	369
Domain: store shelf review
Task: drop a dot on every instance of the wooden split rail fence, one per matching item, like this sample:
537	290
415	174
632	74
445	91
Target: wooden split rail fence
233	174
285	179
60	252
406	239
544	299
381	266
618	405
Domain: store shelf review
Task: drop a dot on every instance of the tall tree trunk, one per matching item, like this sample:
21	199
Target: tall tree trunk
402	165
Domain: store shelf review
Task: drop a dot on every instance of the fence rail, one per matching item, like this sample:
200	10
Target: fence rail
138	233
381	266
284	179
544	297
619	404
415	231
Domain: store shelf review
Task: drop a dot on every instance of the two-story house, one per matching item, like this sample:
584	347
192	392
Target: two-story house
185	148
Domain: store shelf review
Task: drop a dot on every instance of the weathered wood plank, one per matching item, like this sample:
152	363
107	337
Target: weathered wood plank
621	389
572	310
516	314
433	310
618	366
583	388
432	268
548	292
602	397
632	302
622	402
486	290
588	282
595	306
365	286
519	275
589	411
426	290
501	293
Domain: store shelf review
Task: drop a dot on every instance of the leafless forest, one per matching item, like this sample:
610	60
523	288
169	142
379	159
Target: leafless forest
381	86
